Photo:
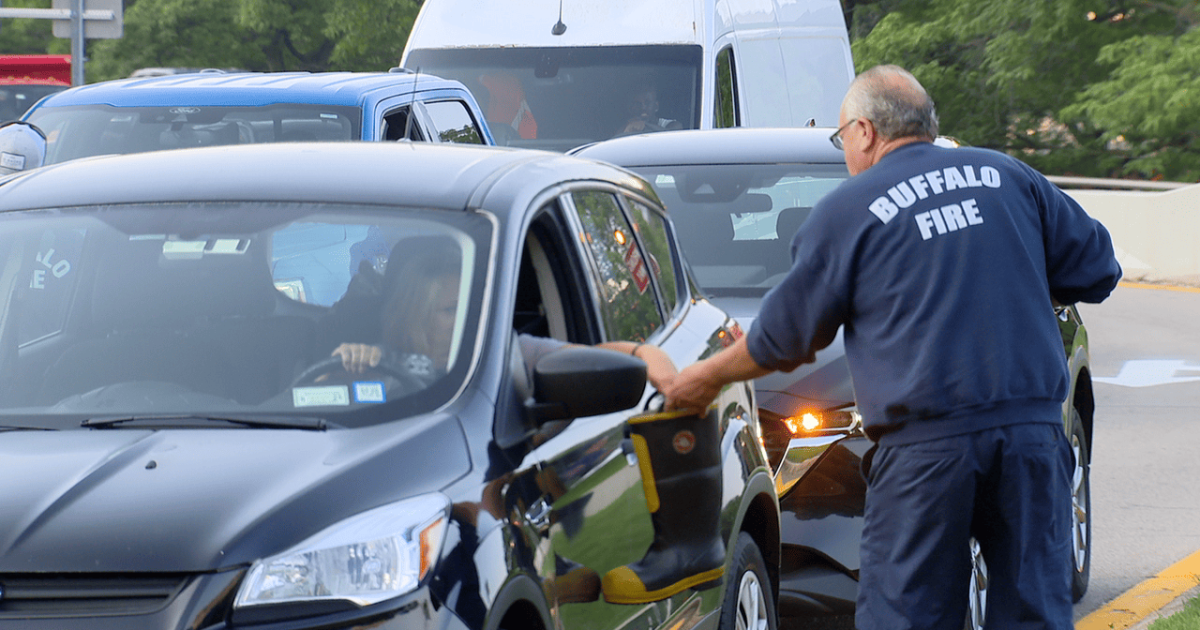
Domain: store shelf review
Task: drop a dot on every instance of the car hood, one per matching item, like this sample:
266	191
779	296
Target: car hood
822	384
120	500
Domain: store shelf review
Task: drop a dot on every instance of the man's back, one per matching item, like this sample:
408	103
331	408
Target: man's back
936	260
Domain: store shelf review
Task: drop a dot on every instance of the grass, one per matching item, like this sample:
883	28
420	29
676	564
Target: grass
1188	618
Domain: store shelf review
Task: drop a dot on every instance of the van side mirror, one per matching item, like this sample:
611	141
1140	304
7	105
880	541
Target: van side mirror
580	381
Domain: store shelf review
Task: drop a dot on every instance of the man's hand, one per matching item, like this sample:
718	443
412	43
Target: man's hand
697	385
358	357
691	389
634	126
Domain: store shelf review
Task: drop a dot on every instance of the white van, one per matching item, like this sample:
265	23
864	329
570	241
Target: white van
557	74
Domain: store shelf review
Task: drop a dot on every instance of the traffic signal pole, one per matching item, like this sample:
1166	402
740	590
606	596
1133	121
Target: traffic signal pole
77	43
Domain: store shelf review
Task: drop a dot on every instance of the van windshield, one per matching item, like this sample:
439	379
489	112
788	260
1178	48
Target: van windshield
89	130
561	98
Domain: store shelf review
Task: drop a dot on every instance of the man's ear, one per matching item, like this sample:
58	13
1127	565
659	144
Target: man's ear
871	138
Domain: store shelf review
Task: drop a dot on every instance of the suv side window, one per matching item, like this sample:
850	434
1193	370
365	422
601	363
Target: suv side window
452	122
628	308
650	227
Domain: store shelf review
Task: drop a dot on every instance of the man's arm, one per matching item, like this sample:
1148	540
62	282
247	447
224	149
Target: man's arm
1081	264
659	367
697	386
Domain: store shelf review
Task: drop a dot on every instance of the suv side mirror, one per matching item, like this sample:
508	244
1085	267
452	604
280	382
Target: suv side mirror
579	381
22	147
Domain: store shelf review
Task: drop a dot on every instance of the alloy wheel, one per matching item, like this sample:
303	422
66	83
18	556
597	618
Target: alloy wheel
751	605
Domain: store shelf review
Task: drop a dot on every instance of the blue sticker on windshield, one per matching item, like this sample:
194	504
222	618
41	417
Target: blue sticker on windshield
369	392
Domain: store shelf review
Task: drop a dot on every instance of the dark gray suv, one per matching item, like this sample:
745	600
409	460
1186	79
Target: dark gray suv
182	446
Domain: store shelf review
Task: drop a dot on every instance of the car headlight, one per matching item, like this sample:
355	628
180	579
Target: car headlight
365	559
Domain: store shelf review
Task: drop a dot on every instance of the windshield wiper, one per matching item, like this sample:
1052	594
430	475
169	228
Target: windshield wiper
4	428
267	422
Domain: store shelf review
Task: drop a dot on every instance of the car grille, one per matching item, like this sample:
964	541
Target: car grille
28	596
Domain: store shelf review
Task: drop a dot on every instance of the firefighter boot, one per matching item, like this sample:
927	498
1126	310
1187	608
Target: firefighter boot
679	457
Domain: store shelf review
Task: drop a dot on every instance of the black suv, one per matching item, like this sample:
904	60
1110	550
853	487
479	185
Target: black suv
180	448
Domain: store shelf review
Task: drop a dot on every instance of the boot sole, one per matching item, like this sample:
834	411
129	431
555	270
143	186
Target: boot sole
700	581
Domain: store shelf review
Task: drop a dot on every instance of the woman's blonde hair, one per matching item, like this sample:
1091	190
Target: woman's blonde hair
417	271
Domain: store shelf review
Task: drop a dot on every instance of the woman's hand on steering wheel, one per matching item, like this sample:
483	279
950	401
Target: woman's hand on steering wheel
404	373
358	357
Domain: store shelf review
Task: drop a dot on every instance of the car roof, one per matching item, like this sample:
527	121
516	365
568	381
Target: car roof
430	175
213	88
718	146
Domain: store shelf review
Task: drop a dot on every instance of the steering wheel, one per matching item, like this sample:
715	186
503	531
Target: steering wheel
412	372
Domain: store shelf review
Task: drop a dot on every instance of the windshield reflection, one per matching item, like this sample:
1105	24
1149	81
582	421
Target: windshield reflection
736	222
208	309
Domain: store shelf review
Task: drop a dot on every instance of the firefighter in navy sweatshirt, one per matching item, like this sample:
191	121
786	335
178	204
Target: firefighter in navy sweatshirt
943	265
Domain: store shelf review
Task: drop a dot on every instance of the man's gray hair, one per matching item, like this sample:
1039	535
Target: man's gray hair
894	101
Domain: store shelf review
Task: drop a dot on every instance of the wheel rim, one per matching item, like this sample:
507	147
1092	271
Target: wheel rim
1079	507
751	605
977	606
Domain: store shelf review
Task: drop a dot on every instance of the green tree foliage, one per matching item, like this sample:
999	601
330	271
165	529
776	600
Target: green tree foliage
30	37
1055	83
370	34
176	33
1148	108
259	35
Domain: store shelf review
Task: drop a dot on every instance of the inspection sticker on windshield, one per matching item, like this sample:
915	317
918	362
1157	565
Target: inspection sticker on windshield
326	396
369	392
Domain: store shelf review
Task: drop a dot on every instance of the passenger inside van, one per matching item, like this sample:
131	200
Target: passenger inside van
507	111
642	110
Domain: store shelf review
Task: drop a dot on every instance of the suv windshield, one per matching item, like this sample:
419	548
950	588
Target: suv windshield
561	98
87	130
736	221
233	310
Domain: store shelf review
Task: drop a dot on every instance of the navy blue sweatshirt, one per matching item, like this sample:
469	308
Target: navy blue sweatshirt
940	264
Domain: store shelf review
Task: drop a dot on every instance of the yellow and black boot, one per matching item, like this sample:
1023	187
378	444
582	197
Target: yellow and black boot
679	456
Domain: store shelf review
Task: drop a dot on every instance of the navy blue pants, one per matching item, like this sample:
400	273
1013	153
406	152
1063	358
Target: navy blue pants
1008	487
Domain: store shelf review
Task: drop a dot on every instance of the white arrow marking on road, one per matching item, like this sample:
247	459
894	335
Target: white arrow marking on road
1150	372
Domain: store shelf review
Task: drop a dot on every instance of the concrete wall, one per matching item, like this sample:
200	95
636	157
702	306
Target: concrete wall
1157	234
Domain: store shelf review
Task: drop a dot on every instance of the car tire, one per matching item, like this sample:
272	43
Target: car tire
749	602
1081	508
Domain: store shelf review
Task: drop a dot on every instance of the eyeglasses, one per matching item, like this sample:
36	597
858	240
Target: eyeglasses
836	137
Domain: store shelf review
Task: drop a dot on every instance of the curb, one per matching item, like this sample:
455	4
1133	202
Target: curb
1156	597
1166	611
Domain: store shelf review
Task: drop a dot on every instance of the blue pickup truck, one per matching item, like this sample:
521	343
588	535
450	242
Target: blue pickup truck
219	108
